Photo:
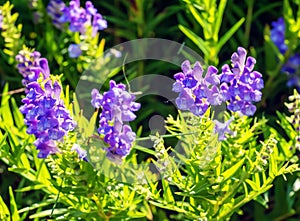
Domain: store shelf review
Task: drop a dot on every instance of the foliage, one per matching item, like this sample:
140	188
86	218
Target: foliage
188	173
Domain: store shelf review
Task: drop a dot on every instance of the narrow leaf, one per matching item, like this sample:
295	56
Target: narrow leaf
229	34
13	206
196	39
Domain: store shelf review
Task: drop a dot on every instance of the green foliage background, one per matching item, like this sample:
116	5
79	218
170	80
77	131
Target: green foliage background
247	177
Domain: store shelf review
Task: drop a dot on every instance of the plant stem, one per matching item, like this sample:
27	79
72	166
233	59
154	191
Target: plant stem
248	21
166	136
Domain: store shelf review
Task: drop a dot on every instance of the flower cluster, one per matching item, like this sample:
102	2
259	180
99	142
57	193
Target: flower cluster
293	64
78	17
195	92
278	35
239	86
30	65
45	114
54	10
87	21
117	107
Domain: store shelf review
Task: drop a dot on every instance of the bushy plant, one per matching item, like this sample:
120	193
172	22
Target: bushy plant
81	80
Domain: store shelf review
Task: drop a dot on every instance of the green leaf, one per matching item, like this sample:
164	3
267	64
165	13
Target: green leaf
13	206
5	109
232	170
219	19
38	205
168	195
196	39
144	149
18	116
273	168
48	213
253	185
31	187
229	34
4	212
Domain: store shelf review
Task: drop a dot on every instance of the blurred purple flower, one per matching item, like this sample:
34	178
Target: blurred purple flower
74	51
37	17
222	128
79	18
82	154
294	81
55	10
278	35
240	85
117	107
291	67
99	23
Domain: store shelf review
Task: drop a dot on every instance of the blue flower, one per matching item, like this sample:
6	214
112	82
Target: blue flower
82	154
240	85
196	92
74	51
45	114
278	35
222	128
31	66
79	18
291	67
117	106
55	10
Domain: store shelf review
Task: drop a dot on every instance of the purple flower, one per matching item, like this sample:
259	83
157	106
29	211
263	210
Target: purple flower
82	154
99	23
46	116
222	128
74	51
291	67
294	81
240	85
278	35
31	66
96	98
117	107
55	10
196	92
79	18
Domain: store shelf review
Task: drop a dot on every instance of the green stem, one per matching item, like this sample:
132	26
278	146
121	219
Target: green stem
167	136
248	21
60	186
